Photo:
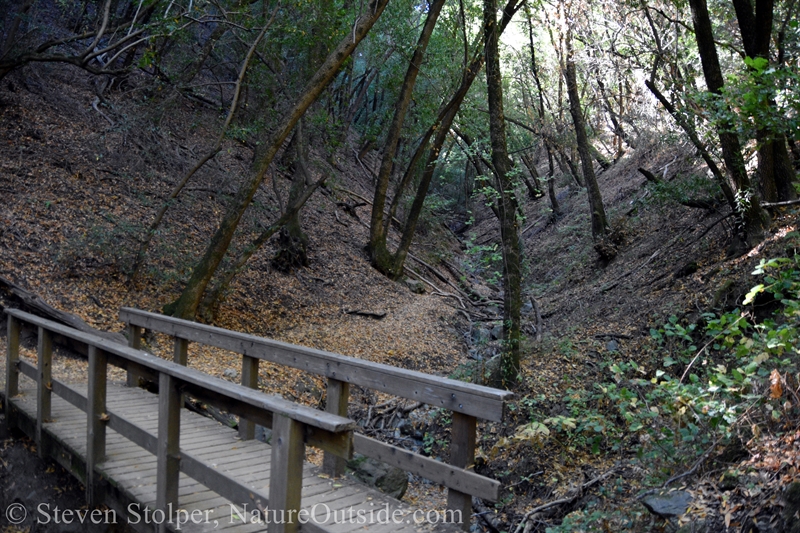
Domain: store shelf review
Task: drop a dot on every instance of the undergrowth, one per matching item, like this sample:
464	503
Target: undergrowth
700	389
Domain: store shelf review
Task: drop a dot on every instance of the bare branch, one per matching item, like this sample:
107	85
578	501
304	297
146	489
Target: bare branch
101	31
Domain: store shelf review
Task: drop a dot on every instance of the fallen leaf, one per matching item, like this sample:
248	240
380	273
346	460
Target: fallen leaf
775	387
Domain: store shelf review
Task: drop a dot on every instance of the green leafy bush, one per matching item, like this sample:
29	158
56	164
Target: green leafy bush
703	382
683	189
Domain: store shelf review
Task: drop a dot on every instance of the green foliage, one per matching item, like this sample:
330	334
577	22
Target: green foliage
757	98
485	260
435	208
695	392
766	98
684	188
680	413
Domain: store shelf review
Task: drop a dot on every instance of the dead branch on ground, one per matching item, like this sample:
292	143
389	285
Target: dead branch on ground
575	494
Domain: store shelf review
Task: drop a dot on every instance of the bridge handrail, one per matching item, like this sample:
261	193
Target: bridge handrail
467	401
471	399
293	424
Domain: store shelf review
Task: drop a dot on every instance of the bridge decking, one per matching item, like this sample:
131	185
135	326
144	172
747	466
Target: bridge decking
130	471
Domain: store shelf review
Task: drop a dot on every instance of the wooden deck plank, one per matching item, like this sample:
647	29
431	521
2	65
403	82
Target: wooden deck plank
196	437
223	514
243	463
189	427
132	469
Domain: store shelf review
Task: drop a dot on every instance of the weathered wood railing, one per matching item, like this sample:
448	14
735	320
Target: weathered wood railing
293	425
467	401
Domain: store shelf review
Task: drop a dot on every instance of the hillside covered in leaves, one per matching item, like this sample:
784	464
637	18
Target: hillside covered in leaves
542	196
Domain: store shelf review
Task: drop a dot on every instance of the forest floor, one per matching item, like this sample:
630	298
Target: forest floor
80	186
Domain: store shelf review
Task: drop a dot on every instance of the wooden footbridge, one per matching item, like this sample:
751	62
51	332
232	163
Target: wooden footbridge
159	467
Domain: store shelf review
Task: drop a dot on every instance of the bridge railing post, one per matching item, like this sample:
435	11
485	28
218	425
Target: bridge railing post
247	429
286	474
12	359
96	418
180	351
462	455
338	396
44	386
180	355
135	342
168	450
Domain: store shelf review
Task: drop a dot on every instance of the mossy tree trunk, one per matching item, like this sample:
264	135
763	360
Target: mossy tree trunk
439	130
507	202
596	208
379	252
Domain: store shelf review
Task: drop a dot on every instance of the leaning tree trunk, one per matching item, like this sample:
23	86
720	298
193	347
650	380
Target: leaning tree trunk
598	213
379	253
698	144
753	219
293	242
551	187
534	188
214	296
507	203
441	128
186	305
162	211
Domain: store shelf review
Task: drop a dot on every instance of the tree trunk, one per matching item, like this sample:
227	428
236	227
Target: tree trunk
186	305
440	127
602	160
379	252
774	166
535	188
753	219
598	213
162	211
698	144
214	296
551	191
293	246
551	179
619	131
507	203
193	69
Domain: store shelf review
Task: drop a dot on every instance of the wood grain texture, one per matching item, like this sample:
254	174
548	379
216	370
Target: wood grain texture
247	428
135	342
338	397
449	475
286	482
44	355
12	357
190	377
476	400
95	418
209	451
131	439
168	445
462	454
